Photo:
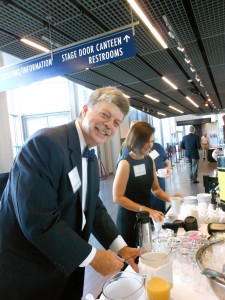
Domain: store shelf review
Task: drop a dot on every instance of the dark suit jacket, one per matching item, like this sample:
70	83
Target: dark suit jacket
191	144
41	243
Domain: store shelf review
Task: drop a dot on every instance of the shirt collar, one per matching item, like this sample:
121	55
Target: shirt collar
83	143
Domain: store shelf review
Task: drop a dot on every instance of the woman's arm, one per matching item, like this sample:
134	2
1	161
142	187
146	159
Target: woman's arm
119	188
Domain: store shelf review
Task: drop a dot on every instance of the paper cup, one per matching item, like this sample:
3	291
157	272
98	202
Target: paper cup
175	205
161	172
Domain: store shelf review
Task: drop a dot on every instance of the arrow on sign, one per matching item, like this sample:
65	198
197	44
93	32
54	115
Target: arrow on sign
126	38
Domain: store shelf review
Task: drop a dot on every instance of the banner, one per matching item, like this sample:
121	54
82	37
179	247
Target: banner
65	61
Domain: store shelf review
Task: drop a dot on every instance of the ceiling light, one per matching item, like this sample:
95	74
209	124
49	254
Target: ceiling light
180	111
192	69
197	78
170	83
191	101
187	60
143	109
147	23
207	95
180	48
34	45
205	104
152	98
161	114
201	84
171	34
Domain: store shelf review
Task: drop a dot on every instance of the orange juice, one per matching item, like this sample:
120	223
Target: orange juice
158	289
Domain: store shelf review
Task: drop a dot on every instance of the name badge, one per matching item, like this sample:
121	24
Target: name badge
139	170
74	179
153	154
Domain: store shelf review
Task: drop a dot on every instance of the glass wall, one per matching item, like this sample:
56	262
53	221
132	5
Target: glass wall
43	104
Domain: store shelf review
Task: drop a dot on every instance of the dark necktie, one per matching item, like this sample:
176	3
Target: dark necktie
89	154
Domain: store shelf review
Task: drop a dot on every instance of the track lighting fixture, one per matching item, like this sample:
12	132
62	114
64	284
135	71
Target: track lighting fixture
180	48
192	69
171	34
187	60
197	78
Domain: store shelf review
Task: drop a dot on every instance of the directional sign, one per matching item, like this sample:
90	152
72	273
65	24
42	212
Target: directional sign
98	51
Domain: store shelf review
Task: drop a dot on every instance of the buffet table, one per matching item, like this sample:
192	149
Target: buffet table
196	289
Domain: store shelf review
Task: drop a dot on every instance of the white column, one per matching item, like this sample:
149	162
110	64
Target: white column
6	152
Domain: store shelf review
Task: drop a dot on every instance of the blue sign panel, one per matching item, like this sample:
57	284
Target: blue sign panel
98	51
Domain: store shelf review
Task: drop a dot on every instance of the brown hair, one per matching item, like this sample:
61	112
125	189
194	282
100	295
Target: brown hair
112	95
138	135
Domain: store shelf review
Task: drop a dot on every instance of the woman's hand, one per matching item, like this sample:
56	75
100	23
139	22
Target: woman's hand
158	216
177	195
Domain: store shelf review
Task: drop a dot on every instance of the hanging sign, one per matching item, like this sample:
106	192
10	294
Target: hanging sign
64	61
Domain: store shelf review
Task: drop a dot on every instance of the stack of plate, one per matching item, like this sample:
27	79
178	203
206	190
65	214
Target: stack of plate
190	200
204	198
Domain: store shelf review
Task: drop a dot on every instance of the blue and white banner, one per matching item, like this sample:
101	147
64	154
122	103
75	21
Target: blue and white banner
64	61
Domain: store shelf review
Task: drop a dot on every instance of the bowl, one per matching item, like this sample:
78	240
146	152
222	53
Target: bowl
211	256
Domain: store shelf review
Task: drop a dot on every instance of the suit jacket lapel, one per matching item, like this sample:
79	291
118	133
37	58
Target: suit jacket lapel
74	146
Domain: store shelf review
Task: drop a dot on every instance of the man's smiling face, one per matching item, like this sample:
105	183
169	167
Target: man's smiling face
100	123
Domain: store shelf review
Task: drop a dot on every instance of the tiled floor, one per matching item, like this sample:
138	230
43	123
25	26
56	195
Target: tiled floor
179	182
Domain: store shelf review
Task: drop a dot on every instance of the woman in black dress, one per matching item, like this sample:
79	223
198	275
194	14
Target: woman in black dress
134	180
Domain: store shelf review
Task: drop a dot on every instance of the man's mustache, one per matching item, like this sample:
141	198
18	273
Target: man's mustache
104	129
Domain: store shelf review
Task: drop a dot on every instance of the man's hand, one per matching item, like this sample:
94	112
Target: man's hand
107	263
129	255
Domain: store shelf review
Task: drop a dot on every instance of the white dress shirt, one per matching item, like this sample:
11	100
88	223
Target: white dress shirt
119	242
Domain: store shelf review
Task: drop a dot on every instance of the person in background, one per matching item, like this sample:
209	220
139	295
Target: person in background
205	145
160	158
191	144
50	206
124	146
135	178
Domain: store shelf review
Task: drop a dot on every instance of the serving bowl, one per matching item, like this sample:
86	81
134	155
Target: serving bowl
211	256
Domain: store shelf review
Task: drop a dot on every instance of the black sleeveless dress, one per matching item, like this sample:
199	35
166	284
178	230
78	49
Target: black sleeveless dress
138	190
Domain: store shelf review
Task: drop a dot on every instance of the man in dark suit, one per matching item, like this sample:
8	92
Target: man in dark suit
191	144
51	206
